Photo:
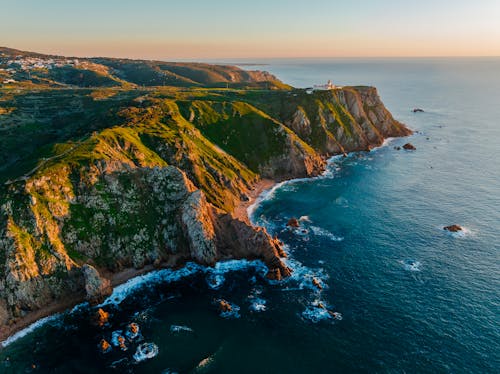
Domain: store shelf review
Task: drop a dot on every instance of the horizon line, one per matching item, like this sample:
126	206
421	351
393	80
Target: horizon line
173	59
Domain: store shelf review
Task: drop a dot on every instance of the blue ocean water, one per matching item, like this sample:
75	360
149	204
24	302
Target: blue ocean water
407	296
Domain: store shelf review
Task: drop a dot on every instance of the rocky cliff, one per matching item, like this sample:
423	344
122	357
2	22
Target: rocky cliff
158	186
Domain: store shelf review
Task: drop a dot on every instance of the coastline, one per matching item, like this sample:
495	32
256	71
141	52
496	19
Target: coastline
240	212
29	322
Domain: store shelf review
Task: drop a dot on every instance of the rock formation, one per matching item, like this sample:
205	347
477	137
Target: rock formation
293	222
157	178
453	228
96	287
409	147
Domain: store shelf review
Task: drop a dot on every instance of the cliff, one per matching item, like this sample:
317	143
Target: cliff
157	186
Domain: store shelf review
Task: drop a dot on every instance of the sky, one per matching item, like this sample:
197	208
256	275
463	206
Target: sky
211	29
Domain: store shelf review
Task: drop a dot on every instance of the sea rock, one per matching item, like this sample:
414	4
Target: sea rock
96	287
101	318
397	148
418	110
104	346
224	306
293	222
409	147
317	283
453	228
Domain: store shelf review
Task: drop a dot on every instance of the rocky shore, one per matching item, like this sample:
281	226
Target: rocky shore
170	183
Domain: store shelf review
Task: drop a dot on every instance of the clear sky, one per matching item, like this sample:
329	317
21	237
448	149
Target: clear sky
185	29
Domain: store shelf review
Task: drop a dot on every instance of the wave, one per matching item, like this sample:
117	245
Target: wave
258	305
179	328
121	292
320	311
322	232
464	233
304	277
411	265
34	326
330	172
145	351
216	276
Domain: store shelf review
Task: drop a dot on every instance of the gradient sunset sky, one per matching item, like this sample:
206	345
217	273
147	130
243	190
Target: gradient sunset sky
198	29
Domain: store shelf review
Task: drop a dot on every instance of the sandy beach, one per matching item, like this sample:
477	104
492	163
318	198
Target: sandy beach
240	211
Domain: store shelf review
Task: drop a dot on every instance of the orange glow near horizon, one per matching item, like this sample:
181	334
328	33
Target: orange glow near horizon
195	29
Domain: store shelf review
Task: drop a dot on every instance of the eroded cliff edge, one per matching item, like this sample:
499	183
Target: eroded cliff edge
158	188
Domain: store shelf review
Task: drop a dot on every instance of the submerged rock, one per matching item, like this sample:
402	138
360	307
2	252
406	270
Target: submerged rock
453	228
409	147
293	222
418	110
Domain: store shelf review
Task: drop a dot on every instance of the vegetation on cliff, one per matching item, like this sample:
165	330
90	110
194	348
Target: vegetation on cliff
122	177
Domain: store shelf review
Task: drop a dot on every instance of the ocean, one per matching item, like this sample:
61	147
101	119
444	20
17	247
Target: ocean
405	295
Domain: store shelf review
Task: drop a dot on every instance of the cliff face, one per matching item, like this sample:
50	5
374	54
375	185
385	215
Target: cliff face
159	187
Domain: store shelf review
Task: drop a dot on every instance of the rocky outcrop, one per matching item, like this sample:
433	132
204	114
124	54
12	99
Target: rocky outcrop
237	239
409	147
160	189
293	222
96	287
453	228
197	220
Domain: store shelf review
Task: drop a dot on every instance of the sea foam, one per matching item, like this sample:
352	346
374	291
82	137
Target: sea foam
20	334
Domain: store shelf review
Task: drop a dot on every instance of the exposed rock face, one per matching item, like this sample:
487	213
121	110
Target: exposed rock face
197	220
236	239
96	287
160	189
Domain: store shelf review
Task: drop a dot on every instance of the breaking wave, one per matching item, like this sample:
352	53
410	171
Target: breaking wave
34	326
411	265
325	233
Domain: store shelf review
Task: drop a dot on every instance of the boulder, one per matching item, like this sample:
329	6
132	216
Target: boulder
453	228
224	306
293	222
104	346
409	147
97	288
101	318
317	283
